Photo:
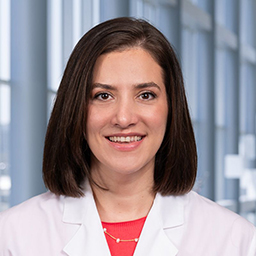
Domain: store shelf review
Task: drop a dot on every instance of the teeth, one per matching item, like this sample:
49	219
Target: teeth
125	139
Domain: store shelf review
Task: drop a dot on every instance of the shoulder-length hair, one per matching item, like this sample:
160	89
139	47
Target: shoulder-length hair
66	162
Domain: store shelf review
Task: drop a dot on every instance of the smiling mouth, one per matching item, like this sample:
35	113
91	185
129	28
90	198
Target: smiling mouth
124	139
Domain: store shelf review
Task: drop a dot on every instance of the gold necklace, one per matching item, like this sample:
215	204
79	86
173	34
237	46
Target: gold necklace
118	240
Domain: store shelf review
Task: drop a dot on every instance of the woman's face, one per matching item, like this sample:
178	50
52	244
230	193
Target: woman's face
127	112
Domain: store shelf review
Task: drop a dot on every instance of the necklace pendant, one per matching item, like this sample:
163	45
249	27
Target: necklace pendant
118	240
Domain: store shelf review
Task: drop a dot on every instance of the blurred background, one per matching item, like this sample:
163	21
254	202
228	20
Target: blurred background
215	41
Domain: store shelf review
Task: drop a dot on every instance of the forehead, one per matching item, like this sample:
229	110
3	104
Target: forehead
132	65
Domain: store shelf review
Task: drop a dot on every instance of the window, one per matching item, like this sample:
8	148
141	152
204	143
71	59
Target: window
5	103
215	41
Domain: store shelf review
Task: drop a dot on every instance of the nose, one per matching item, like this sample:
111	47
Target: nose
126	114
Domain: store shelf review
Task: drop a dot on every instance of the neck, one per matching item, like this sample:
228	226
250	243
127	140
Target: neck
126	197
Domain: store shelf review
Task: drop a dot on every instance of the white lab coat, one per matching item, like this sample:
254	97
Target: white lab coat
190	225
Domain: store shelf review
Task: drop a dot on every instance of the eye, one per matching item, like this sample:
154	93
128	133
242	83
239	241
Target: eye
103	96
147	96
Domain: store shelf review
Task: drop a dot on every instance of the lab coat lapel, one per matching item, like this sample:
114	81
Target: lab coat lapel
154	242
166	213
89	239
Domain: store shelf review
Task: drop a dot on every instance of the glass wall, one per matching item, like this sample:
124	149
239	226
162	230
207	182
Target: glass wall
5	104
215	41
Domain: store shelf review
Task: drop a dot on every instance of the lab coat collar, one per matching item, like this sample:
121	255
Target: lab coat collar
90	238
166	213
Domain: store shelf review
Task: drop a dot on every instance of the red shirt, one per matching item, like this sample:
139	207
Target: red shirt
128	230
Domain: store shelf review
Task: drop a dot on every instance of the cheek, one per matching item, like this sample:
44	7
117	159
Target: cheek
92	115
160	125
96	120
158	118
92	121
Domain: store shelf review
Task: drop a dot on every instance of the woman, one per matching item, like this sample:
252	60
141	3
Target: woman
120	160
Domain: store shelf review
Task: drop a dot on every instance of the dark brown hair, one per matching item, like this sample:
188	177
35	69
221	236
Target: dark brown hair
66	162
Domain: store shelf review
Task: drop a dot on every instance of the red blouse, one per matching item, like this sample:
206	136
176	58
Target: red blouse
116	232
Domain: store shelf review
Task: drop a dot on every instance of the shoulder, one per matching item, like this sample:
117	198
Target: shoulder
195	204
206	223
221	221
31	211
23	226
209	210
45	200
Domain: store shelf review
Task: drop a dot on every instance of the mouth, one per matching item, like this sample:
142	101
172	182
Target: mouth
125	139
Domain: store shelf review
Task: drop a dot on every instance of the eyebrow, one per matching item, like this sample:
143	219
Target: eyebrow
137	86
147	85
103	86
